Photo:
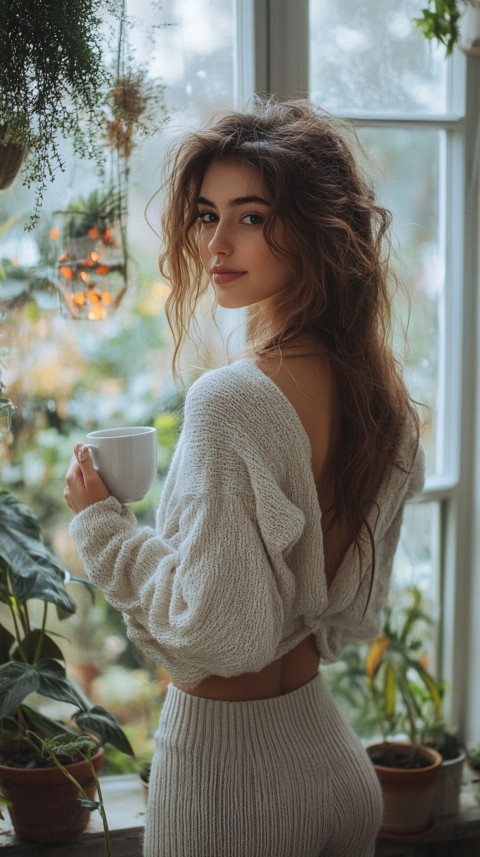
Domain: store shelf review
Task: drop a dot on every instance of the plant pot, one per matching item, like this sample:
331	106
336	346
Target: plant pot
407	793
446	794
45	805
12	157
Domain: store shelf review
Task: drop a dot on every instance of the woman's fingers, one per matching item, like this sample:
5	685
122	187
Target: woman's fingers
84	485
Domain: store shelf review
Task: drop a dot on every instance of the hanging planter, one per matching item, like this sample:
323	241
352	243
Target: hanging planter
12	156
135	107
91	268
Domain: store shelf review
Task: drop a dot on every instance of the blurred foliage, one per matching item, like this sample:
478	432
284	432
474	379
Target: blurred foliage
440	21
385	686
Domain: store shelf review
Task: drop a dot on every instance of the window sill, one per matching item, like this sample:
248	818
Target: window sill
125	805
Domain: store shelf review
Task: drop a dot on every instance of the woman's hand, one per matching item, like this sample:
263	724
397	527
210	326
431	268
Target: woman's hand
84	485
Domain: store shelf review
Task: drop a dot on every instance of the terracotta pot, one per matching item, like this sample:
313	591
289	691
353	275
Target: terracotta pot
12	157
407	793
45	803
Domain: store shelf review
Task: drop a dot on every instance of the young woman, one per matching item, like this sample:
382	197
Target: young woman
282	508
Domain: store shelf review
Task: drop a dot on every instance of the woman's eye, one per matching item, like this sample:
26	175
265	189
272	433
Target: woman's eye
253	219
207	217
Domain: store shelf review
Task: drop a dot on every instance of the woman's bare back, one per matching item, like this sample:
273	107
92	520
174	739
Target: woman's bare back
308	383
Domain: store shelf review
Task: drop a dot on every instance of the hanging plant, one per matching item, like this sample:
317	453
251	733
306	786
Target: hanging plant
52	75
135	103
440	20
135	107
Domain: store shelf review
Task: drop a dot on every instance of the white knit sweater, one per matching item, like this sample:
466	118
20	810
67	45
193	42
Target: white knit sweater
232	576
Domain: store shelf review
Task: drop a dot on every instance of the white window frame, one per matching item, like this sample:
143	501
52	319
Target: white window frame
275	45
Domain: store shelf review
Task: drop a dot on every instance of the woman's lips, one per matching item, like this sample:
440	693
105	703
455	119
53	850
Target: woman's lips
222	276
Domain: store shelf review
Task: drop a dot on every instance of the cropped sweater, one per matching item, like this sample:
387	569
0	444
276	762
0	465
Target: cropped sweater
232	576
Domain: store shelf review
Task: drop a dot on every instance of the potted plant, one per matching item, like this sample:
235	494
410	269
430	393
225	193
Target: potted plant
34	747
398	680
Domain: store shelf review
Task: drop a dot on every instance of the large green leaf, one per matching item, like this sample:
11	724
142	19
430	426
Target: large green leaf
47	677
105	726
41	724
17	681
34	571
31	651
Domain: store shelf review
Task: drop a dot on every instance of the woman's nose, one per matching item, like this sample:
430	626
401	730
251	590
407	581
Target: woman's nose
220	241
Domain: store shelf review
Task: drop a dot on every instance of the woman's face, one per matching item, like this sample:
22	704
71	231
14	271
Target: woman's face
232	208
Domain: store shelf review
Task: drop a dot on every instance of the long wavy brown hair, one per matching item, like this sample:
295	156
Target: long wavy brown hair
336	242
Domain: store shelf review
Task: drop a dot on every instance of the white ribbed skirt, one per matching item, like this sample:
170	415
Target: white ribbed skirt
280	777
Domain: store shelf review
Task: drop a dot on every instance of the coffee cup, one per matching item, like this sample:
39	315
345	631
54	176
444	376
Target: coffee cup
126	459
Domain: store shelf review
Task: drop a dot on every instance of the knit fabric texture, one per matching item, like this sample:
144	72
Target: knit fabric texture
278	777
232	576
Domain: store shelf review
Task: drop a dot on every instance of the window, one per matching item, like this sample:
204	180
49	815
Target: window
415	113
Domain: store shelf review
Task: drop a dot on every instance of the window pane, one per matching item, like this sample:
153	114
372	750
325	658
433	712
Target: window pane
417	564
370	57
412	189
417	558
194	56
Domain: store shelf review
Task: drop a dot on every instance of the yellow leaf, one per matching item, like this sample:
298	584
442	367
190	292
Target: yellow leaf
375	652
390	691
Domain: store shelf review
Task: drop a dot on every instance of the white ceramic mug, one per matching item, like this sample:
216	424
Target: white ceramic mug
126	459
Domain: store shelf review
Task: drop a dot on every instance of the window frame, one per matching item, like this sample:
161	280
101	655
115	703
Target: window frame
281	30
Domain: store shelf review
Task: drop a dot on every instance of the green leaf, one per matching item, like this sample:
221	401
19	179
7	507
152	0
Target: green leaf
49	648
432	688
105	726
41	724
34	571
66	744
89	804
47	677
55	684
17	681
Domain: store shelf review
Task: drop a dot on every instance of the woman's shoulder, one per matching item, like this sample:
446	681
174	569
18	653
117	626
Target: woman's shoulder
235	385
239	406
